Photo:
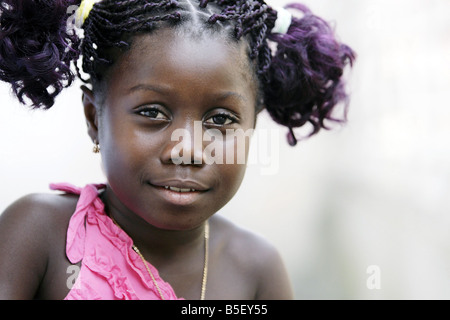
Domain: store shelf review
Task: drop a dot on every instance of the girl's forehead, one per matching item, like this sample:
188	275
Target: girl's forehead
205	49
178	52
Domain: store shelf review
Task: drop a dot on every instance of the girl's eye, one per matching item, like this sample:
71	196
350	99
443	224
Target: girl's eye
221	120
152	113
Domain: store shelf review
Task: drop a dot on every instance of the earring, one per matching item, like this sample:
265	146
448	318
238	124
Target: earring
96	148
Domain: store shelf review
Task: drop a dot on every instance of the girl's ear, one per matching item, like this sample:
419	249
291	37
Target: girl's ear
91	113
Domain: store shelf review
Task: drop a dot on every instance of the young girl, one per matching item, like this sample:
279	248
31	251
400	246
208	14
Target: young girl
155	67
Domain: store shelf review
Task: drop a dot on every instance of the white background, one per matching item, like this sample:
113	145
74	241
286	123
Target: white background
373	192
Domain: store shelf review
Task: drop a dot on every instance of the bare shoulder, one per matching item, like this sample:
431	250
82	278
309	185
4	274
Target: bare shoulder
38	212
242	243
31	229
259	259
41	204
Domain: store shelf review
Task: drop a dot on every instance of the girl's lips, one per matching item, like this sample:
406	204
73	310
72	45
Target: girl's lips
180	185
180	192
179	196
183	190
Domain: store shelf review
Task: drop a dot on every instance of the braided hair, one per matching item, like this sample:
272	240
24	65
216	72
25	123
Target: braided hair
299	72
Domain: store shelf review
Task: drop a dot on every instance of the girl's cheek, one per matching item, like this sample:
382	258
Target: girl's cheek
229	148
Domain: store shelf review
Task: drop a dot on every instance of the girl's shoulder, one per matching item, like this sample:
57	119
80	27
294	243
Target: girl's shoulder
254	256
239	241
32	237
39	209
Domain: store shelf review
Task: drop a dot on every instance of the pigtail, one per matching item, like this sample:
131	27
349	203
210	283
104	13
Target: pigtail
37	48
304	81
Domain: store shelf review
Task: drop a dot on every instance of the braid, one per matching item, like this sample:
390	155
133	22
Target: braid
253	18
109	20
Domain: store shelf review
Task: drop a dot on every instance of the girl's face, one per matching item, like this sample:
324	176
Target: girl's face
166	86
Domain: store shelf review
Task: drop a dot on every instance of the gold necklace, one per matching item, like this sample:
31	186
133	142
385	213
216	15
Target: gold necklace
205	265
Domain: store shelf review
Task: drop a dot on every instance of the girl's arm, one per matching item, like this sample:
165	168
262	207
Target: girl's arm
23	248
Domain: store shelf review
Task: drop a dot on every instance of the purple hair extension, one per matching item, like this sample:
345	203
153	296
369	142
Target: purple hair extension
304	82
36	49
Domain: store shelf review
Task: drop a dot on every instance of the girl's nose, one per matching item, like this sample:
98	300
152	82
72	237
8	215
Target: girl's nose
185	145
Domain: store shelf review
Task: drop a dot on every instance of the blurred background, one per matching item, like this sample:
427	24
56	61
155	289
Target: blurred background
359	212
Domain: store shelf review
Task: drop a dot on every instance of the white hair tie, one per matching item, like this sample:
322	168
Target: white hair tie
283	22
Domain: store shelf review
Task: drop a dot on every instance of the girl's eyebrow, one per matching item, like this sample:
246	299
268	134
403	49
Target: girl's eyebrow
230	94
149	87
166	90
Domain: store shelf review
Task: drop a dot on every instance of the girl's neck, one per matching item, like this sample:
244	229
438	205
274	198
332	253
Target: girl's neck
152	241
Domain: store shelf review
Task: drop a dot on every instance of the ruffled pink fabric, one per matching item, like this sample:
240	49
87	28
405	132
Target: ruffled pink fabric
110	268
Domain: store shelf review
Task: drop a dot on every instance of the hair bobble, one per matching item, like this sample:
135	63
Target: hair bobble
83	11
283	22
304	82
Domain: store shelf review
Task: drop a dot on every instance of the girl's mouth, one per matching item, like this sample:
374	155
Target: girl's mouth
181	190
181	193
178	185
179	196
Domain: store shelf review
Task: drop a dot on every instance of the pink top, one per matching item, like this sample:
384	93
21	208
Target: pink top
110	268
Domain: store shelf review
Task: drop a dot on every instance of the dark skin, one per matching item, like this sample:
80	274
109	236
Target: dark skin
165	82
